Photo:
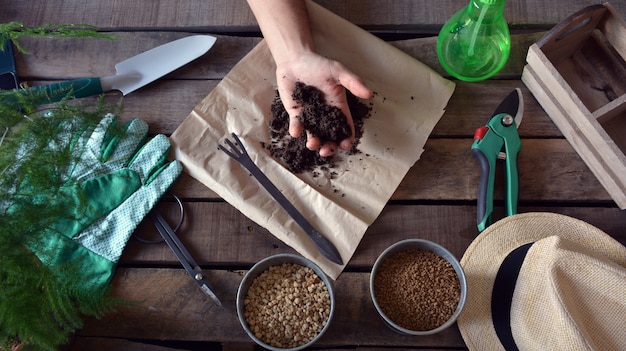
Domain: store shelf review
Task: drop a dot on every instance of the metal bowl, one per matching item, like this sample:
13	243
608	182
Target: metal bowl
261	267
428	246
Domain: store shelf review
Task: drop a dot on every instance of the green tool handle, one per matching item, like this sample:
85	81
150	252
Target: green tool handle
50	93
77	88
512	180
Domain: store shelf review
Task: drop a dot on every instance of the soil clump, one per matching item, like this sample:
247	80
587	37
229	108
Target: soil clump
326	122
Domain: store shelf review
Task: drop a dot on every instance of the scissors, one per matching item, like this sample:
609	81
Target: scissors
169	236
498	139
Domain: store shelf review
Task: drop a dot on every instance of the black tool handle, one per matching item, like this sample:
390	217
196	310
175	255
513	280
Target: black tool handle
322	244
484	199
238	153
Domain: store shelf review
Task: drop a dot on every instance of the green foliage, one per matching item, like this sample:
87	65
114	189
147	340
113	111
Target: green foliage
13	31
39	305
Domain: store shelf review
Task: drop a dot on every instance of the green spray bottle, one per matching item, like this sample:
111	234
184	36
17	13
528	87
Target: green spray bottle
475	43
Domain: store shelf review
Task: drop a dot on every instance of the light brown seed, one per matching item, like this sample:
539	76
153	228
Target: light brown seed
276	304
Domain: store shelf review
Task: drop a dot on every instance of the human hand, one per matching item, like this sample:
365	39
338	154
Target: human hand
332	78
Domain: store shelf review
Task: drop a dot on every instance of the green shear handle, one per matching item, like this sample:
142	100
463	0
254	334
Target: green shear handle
498	139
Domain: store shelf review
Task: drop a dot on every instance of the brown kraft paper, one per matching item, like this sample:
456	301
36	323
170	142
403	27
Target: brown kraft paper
409	100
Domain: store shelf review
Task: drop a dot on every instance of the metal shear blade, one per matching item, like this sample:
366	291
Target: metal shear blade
513	106
182	254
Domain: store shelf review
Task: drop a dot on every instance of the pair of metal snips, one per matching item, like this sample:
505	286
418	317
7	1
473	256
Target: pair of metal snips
169	236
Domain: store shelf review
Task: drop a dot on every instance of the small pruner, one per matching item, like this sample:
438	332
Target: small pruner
498	139
185	258
237	152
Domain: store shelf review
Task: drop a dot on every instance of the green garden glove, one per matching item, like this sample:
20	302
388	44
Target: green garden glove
112	185
73	191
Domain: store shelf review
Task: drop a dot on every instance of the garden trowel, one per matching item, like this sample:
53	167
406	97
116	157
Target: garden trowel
133	73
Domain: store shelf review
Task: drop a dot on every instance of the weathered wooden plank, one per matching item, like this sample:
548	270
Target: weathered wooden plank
108	344
239	346
211	227
171	307
549	170
414	348
218	235
69	58
229	16
423	14
129	15
165	104
472	104
424	49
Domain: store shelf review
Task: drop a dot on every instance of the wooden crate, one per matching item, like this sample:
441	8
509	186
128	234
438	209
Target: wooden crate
577	72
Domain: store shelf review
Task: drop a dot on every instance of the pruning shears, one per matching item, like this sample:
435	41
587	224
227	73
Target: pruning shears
498	139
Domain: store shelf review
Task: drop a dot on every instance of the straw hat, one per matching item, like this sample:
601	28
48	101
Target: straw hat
553	283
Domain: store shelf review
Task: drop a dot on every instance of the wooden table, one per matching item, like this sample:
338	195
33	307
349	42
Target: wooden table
435	201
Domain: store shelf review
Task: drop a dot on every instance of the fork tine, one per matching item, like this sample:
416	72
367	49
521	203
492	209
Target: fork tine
236	151
230	154
241	147
234	148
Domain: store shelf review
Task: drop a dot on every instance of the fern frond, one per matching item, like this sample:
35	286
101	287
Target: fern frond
14	31
36	305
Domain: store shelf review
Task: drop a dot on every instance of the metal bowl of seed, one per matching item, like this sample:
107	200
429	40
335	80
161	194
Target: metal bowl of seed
418	287
285	302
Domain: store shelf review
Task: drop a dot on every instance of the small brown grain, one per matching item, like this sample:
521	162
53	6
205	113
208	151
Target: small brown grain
287	305
417	289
